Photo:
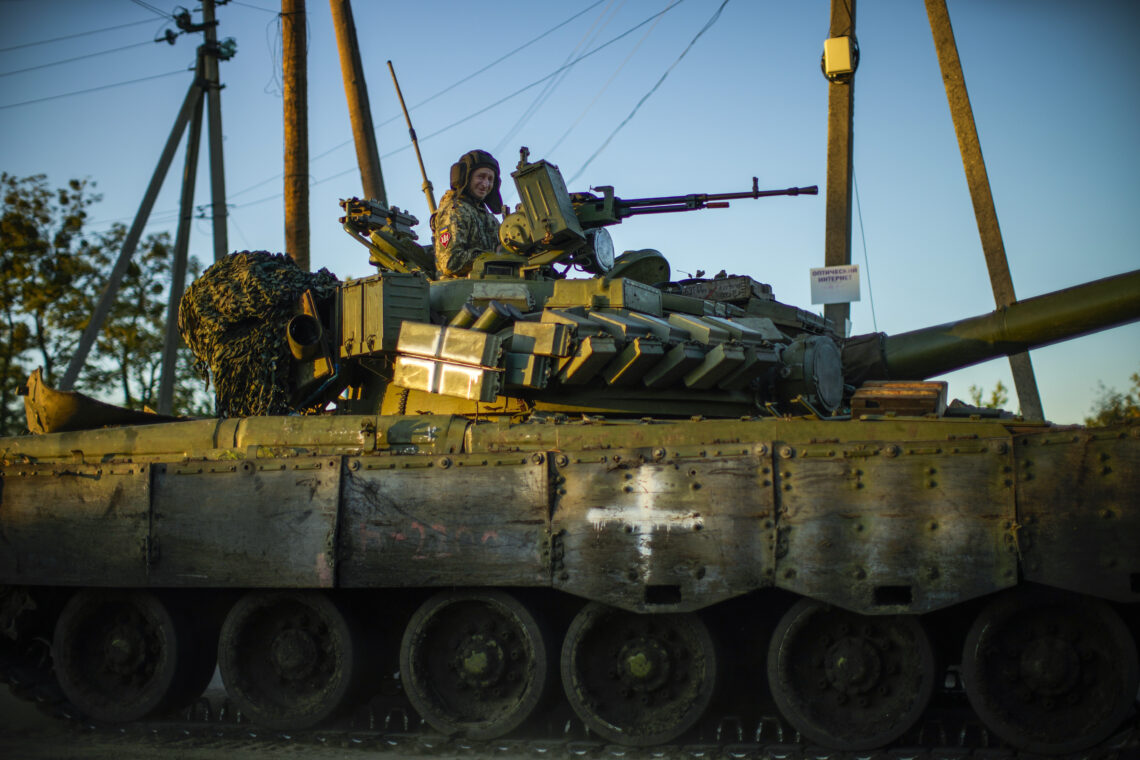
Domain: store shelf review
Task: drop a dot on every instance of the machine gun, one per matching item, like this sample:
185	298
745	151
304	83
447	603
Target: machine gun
387	233
552	225
549	225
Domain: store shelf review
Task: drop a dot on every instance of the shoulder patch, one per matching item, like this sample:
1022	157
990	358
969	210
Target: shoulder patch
445	238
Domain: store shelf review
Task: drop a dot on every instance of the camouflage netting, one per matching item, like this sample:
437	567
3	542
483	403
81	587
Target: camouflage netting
233	318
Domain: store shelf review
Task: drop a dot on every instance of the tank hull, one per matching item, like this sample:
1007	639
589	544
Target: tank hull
878	516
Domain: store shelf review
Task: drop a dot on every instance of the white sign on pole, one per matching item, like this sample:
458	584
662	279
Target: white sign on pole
835	284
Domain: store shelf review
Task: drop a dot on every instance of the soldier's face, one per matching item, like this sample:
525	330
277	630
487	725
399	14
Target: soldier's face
481	183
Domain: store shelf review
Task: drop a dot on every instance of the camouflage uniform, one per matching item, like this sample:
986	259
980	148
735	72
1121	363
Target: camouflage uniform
461	230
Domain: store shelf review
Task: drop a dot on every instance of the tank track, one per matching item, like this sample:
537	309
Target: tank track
949	732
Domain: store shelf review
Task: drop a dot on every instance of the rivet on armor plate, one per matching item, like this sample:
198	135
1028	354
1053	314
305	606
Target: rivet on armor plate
787	452
443	463
537	458
763	450
562	460
891	451
354	465
659	453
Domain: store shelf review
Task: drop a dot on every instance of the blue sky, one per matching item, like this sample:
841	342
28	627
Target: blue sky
1055	99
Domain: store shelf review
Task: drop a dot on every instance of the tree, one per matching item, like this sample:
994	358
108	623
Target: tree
51	275
999	396
1112	406
129	347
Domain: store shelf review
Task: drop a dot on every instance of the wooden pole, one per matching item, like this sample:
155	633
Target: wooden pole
214	130
172	339
978	179
840	138
359	110
296	131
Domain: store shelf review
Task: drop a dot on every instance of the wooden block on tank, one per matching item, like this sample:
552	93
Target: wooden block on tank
756	361
637	358
908	398
526	370
453	344
593	353
447	379
680	360
541	338
717	365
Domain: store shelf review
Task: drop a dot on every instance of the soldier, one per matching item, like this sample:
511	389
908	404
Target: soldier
465	226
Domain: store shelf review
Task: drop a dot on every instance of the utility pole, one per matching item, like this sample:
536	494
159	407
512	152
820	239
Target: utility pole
173	339
359	110
214	96
978	180
840	121
296	92
201	89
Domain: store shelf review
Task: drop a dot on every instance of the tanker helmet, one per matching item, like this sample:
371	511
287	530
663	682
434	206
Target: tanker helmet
462	170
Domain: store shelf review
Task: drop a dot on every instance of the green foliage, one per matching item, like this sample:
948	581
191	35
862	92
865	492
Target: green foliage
51	275
999	396
1112	406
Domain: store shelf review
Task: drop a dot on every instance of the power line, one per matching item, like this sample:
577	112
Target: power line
604	87
151	8
467	78
708	24
255	7
427	100
92	89
551	85
500	101
866	259
73	36
77	58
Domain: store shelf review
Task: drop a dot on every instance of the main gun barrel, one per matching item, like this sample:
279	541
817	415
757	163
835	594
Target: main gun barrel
1034	322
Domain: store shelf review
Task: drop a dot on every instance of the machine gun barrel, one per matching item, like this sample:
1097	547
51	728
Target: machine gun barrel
676	203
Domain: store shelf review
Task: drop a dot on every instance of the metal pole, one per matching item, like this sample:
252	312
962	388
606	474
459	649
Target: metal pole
172	339
359	110
977	178
428	190
106	300
217	167
840	128
296	131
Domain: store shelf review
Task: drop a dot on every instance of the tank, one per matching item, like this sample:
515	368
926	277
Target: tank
619	502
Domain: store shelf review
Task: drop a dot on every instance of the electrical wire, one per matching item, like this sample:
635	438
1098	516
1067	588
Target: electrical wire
73	36
427	100
91	89
866	260
255	7
604	87
491	106
151	8
540	99
455	84
77	58
708	25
